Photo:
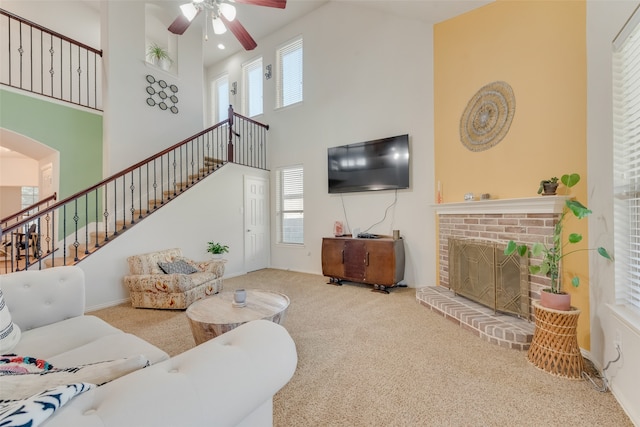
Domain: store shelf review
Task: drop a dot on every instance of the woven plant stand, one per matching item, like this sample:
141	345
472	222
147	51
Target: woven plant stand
554	347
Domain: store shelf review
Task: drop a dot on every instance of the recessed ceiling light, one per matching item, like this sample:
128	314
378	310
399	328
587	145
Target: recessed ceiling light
220	46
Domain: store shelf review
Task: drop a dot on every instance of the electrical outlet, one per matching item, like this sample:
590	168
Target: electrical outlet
617	341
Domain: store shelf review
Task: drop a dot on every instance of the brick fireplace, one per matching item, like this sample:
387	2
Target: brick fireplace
526	220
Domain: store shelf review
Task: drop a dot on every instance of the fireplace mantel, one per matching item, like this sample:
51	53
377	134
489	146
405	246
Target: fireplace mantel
528	205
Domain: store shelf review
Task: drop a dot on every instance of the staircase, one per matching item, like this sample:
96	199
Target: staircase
97	239
68	231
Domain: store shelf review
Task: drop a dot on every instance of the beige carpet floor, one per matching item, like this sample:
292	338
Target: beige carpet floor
369	359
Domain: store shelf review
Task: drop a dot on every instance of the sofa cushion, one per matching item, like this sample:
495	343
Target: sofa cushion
36	298
168	283
175	300
22	386
82	340
108	348
177	267
9	331
51	340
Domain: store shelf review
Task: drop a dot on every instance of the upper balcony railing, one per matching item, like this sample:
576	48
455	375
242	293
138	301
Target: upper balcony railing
45	62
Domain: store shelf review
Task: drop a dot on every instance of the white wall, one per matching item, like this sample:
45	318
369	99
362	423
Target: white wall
368	75
137	131
208	211
604	20
10	200
18	171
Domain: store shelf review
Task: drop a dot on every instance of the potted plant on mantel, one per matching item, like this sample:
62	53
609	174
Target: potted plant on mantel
548	187
217	249
554	297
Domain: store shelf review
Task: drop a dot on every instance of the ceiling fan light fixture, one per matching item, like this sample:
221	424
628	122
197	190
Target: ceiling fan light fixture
189	11
228	11
218	26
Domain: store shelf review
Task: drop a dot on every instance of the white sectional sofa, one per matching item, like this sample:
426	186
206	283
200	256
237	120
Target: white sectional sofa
228	381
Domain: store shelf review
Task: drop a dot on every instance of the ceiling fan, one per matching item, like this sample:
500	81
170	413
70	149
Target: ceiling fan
223	16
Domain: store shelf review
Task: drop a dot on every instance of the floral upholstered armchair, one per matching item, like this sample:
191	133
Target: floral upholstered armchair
166	279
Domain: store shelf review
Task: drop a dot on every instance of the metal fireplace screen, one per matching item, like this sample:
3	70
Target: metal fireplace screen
480	271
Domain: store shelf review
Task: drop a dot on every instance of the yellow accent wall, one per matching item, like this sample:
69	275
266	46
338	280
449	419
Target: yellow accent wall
539	48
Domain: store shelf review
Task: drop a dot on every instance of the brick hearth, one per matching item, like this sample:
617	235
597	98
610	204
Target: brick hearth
525	220
501	329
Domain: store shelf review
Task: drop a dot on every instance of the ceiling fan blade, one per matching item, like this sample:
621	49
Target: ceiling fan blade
180	24
280	4
240	32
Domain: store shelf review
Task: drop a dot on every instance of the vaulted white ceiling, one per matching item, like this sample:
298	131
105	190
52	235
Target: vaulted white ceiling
262	21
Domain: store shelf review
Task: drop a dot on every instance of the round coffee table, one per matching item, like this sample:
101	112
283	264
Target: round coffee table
215	315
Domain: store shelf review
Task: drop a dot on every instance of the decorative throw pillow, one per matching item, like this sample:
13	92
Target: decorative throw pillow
9	331
179	267
21	386
36	409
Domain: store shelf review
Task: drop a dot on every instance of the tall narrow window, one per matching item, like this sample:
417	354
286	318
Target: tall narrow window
290	204
29	196
252	84
289	72
626	156
220	98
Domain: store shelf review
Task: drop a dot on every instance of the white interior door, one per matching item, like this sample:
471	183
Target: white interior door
256	220
46	183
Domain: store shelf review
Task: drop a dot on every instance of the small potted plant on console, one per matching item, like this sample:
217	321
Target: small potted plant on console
552	254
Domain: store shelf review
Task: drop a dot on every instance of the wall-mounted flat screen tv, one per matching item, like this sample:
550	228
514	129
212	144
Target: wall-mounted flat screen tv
381	164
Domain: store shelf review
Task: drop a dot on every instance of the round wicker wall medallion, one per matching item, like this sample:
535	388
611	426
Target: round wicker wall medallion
487	117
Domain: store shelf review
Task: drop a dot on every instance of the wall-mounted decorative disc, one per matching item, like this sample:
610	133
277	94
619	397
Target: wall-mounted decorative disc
487	117
161	94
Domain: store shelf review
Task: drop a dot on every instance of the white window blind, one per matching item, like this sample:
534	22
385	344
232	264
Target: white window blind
221	99
626	146
290	204
252	82
289	71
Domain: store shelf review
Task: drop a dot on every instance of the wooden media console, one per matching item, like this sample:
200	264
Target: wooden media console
378	261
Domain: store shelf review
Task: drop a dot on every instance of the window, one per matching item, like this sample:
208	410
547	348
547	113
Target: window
29	196
252	83
289	71
290	204
626	155
220	99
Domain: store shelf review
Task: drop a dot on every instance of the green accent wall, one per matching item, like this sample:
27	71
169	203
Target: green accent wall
75	133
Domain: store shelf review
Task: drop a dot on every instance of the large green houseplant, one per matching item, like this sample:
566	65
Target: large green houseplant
553	254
